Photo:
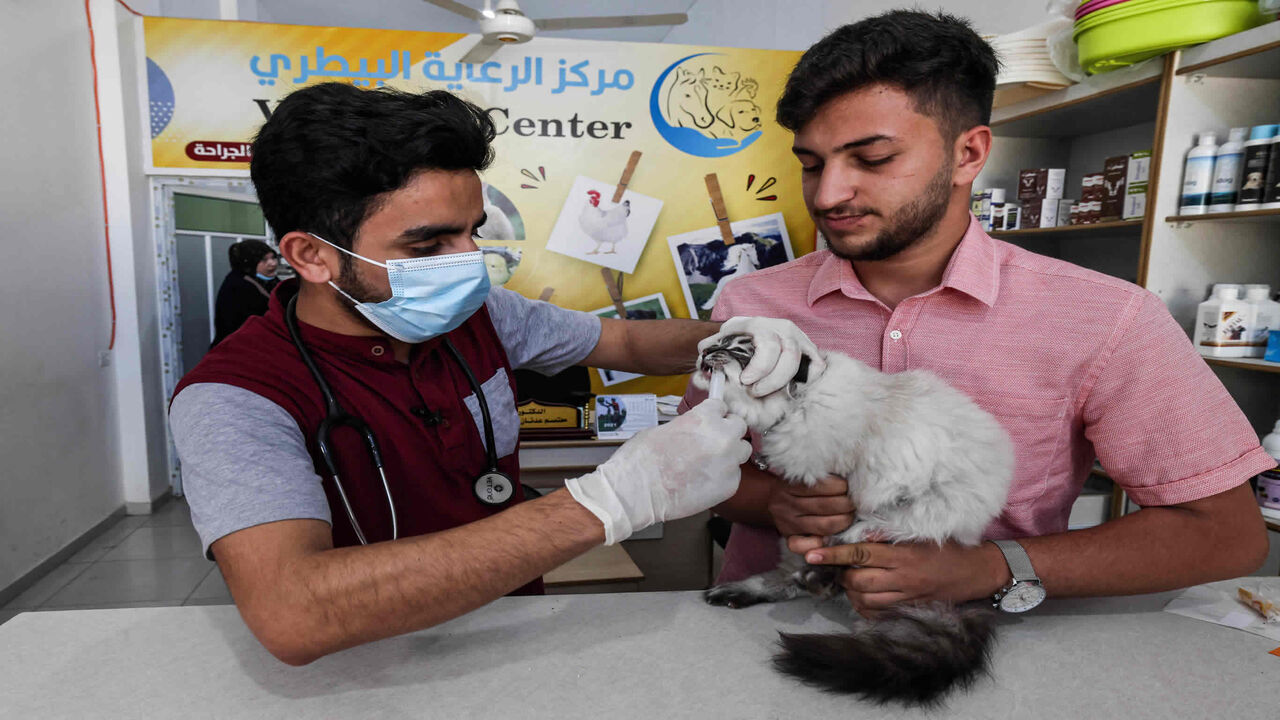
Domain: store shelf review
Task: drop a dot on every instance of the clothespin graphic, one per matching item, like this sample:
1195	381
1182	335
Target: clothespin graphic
717	206
614	285
625	180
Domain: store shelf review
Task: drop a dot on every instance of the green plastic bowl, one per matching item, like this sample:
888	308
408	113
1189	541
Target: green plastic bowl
1138	7
1129	33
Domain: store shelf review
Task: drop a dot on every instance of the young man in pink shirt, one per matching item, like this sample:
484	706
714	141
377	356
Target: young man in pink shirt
891	118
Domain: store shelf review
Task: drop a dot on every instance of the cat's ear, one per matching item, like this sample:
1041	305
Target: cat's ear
802	372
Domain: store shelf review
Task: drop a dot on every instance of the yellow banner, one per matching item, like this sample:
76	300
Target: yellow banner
569	116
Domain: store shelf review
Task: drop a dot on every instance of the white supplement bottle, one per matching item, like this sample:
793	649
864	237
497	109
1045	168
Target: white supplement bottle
1222	324
1197	179
1264	316
1228	168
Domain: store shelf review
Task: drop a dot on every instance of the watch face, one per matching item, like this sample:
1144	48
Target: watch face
1022	597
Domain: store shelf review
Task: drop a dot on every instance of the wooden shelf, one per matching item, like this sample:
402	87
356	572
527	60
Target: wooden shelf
1106	102
601	564
1245	364
1067	230
1251	54
1250	216
591	443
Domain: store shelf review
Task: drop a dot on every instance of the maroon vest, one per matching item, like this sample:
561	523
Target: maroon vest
430	466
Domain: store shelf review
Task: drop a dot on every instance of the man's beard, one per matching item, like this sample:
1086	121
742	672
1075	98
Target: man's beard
350	283
909	224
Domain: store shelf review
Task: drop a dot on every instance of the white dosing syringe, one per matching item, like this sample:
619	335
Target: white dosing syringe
716	391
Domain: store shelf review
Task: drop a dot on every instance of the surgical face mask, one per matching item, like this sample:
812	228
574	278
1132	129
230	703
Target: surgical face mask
429	296
264	278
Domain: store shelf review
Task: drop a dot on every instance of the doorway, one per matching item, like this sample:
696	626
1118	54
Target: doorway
196	221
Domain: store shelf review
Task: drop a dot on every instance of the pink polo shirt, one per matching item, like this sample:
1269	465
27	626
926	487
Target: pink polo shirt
1075	364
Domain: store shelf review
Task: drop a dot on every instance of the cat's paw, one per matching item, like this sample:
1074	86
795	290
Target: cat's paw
732	595
819	580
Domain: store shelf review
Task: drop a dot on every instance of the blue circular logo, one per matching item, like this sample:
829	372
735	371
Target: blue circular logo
160	96
704	110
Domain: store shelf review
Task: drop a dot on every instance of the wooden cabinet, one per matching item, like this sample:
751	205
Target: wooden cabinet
1160	105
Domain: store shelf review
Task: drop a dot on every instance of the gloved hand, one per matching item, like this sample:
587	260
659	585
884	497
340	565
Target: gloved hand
779	345
666	473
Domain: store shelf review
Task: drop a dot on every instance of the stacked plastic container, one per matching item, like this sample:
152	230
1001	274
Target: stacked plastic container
1112	34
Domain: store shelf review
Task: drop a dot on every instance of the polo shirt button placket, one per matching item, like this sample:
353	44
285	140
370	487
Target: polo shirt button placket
895	350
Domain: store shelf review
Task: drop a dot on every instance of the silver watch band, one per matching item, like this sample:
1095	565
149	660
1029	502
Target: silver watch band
1019	562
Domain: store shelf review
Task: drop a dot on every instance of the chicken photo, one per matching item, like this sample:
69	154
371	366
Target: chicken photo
604	226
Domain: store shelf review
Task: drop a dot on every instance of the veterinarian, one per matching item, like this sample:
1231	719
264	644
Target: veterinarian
373	403
891	117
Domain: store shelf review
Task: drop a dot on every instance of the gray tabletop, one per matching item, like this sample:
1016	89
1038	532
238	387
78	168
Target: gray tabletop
642	655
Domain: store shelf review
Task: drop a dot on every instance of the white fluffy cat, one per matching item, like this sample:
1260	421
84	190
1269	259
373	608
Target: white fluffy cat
923	463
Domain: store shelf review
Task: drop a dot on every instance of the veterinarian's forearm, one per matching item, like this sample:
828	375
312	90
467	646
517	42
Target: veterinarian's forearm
649	347
750	505
1154	549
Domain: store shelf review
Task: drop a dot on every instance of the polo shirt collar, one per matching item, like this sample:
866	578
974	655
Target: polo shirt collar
973	270
371	349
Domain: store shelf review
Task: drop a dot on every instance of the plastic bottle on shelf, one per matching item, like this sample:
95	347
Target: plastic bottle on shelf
1271	193
1264	316
1269	480
1197	178
1257	156
1228	168
1222	324
996	218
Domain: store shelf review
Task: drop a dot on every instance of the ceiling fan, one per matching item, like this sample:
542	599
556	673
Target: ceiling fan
504	22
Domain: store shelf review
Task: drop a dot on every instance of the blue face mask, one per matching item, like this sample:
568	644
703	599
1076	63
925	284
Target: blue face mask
264	278
429	296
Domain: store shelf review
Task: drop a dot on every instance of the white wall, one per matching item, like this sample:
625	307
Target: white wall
59	470
797	24
773	24
139	375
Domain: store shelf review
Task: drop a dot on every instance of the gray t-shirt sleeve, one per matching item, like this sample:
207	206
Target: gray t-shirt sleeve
244	461
540	336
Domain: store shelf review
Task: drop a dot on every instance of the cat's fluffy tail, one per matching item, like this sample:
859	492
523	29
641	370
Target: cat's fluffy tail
910	654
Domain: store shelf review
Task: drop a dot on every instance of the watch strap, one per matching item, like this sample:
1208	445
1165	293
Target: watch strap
1018	560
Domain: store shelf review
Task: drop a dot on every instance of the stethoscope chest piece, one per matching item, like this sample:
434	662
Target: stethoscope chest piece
494	488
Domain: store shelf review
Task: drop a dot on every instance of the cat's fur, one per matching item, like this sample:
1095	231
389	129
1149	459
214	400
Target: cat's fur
923	463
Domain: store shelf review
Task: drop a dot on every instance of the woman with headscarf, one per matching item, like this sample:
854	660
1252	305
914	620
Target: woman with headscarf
246	288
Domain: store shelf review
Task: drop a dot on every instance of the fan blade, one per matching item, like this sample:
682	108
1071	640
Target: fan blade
612	21
456	7
480	52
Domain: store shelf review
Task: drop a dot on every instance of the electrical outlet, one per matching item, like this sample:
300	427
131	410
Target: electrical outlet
104	358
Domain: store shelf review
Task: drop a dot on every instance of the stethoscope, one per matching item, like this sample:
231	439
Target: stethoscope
493	487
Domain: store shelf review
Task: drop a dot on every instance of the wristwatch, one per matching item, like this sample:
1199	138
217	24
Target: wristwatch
1025	591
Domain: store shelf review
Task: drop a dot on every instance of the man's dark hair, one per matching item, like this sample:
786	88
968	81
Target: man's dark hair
949	72
245	255
329	151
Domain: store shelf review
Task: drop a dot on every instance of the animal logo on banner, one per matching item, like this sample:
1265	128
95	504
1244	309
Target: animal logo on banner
704	109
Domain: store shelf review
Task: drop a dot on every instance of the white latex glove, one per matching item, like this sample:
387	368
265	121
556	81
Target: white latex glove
666	473
779	345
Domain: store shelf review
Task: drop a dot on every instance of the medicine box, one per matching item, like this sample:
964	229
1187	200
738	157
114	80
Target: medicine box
1042	183
1137	177
1040	213
1273	346
1115	173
